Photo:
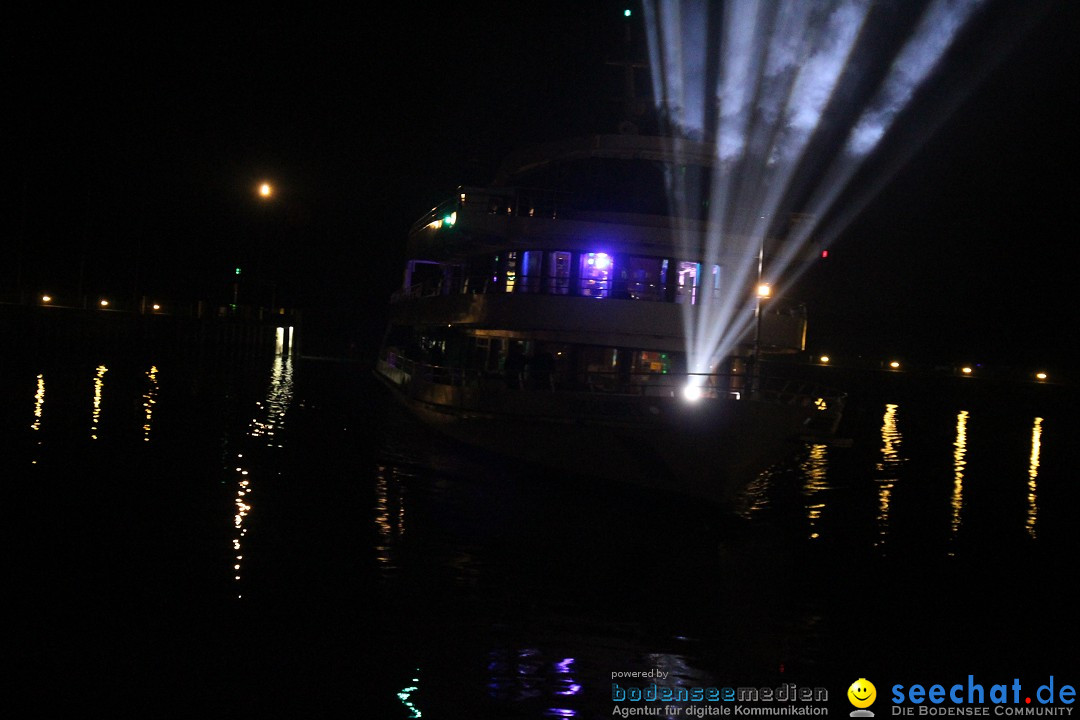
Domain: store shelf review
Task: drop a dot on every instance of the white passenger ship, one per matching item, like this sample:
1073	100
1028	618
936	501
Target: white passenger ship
541	318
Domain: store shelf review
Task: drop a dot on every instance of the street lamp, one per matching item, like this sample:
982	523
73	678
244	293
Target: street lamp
266	190
762	294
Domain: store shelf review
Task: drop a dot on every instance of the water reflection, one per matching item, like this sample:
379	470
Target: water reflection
39	408
406	693
528	674
959	464
266	425
149	400
39	402
889	469
95	414
389	517
278	399
1033	474
814	472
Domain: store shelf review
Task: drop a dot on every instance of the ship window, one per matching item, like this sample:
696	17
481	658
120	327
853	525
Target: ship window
652	362
688	273
529	281
557	278
511	271
599	367
644	277
595	276
715	286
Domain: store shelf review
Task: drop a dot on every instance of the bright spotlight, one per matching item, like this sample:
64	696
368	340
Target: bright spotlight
156	306
1040	376
894	365
692	392
763	290
824	359
966	370
600	261
266	190
46	298
103	302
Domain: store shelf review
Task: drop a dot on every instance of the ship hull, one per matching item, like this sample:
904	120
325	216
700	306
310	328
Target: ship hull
709	450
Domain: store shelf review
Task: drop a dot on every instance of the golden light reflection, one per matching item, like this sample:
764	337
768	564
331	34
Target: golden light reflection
95	415
891	460
39	402
389	517
39	409
278	399
756	495
270	421
1033	474
149	401
959	465
814	469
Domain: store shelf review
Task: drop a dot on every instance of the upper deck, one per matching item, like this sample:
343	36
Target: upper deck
611	189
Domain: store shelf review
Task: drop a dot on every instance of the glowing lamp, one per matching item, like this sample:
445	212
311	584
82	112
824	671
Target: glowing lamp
46	298
894	365
103	302
156	306
692	392
763	290
966	370
824	359
1040	376
266	190
600	261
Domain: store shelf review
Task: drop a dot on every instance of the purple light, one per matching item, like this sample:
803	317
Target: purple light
601	261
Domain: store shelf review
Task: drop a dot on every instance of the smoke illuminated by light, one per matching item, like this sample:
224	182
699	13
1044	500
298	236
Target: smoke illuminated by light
791	98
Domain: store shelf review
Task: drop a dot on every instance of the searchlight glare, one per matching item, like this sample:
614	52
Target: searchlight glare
758	83
692	391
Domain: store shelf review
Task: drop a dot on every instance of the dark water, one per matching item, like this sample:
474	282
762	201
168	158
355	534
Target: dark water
268	538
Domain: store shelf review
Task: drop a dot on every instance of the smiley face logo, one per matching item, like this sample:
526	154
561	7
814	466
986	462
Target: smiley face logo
862	693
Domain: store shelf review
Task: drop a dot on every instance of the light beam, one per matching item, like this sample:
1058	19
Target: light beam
792	97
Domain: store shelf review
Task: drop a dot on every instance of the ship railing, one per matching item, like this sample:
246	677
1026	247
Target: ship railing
518	201
737	386
402	370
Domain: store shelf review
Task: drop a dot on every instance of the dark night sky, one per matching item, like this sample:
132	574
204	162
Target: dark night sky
138	141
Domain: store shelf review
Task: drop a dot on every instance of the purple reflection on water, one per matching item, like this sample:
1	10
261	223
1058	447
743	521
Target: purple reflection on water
560	712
